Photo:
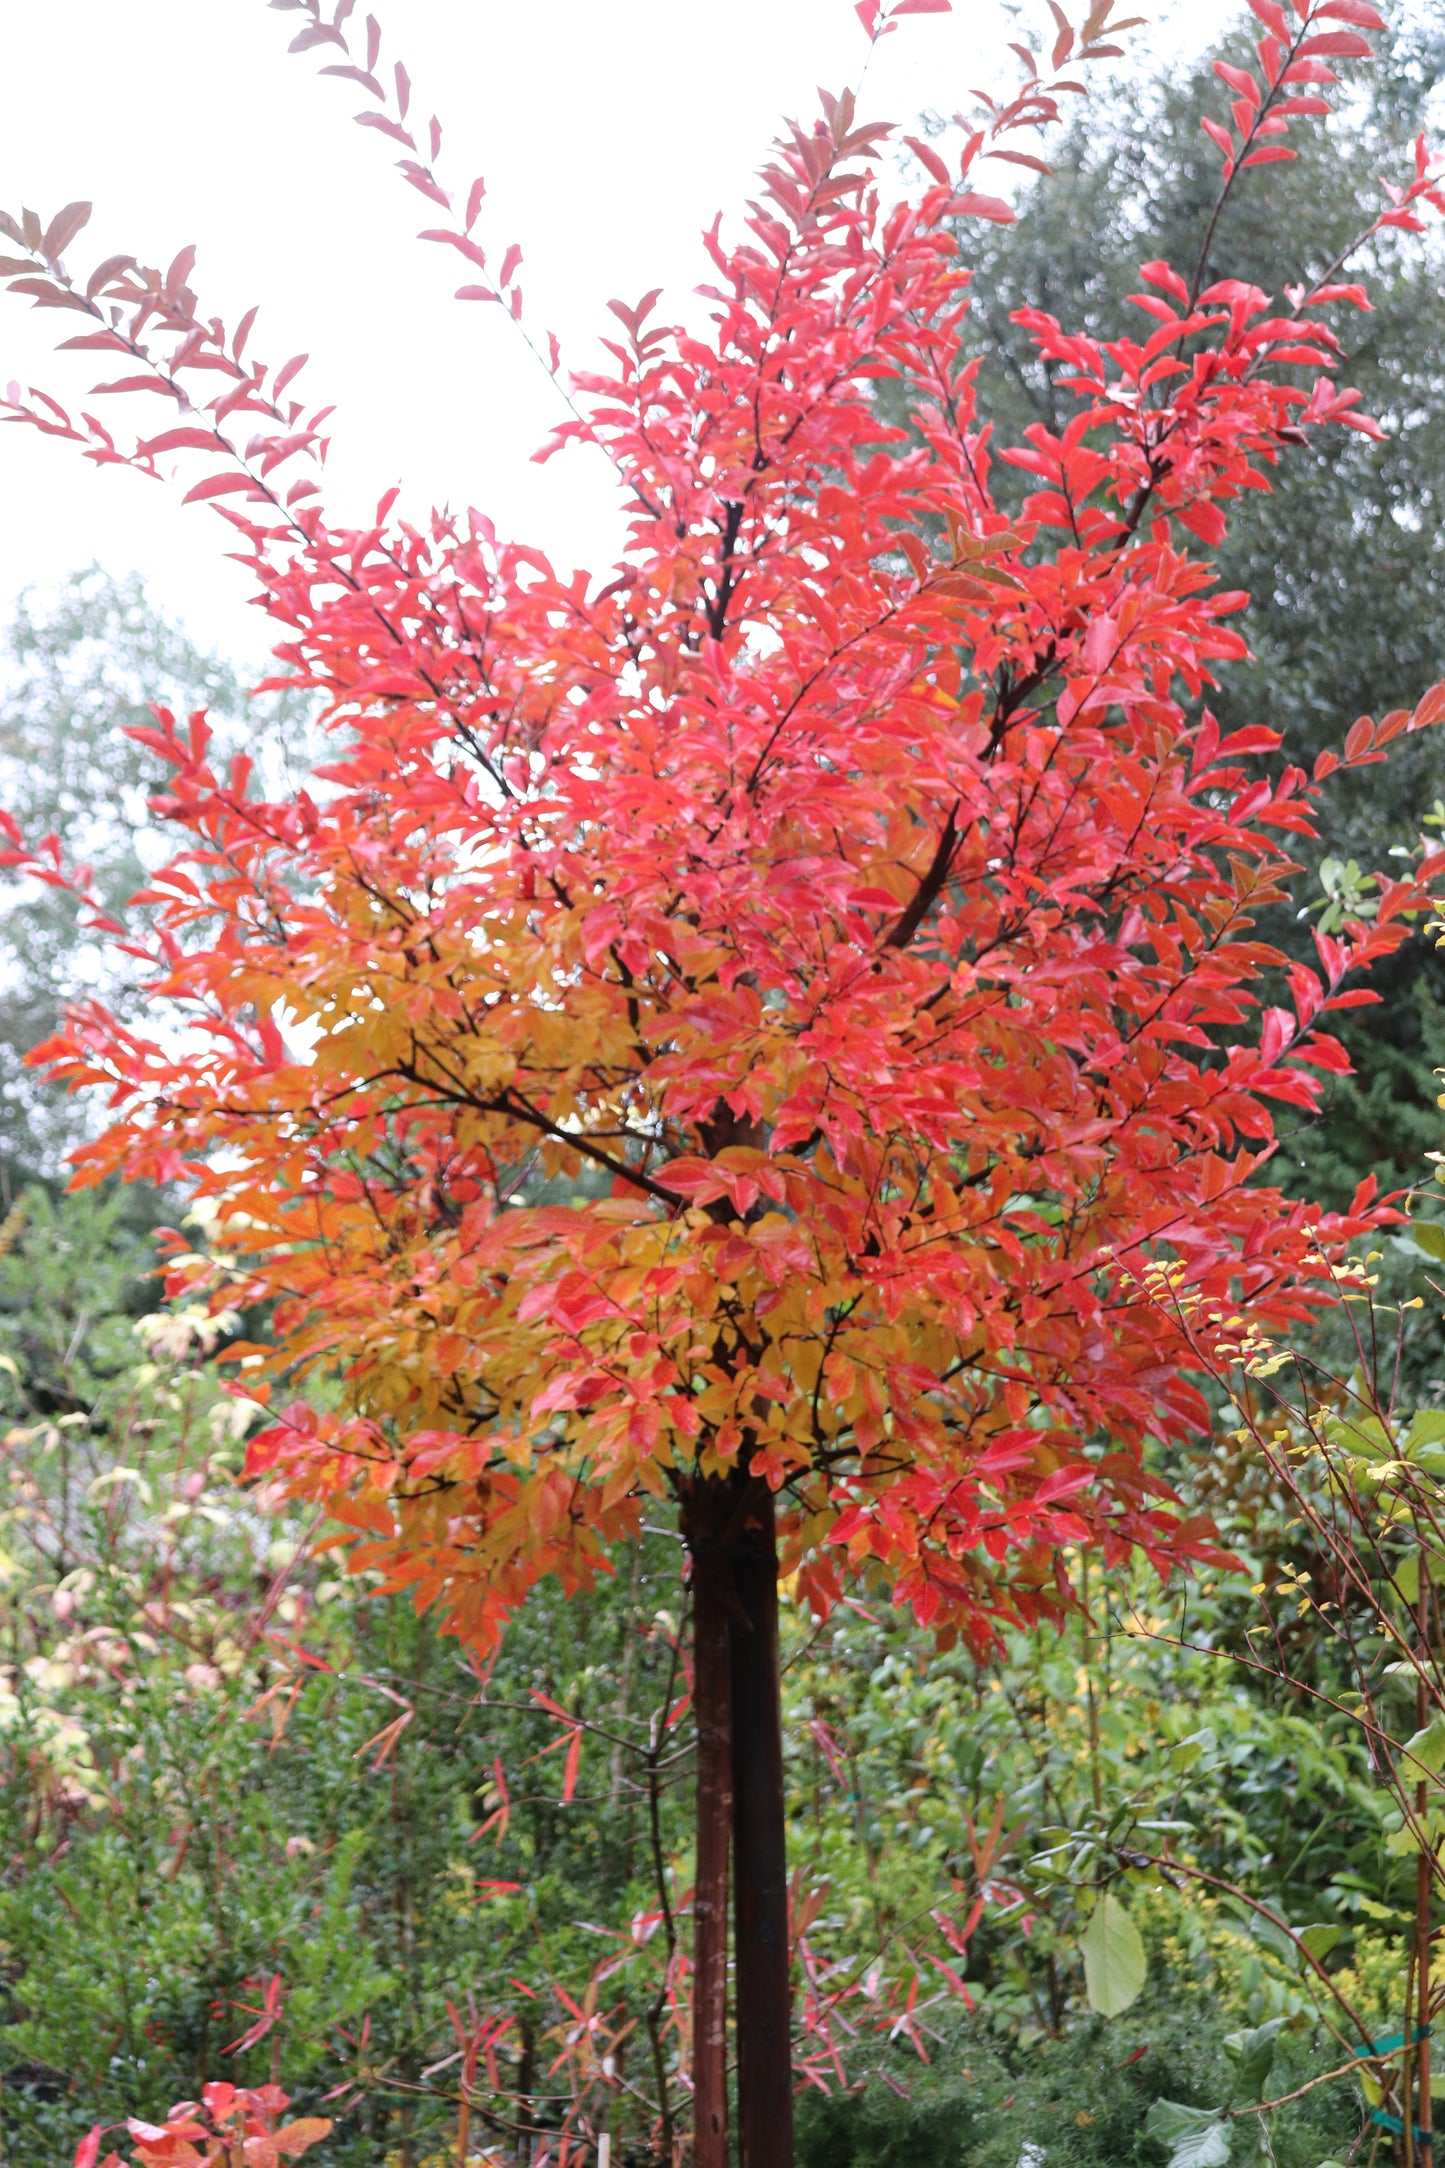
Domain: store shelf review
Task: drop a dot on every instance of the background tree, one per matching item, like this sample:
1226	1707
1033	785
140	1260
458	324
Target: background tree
83	666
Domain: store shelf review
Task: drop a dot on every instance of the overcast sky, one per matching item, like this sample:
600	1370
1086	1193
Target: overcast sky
609	135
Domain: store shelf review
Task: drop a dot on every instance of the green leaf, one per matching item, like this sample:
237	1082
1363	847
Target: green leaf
1197	2137
1275	1939
1114	1960
1252	2053
1429	1236
1426	1748
1321	1938
1387	1913
1367	1437
1425	1441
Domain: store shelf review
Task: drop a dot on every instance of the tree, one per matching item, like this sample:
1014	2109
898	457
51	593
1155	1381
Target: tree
721	1031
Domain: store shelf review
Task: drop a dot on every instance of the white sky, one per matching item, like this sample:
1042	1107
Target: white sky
610	131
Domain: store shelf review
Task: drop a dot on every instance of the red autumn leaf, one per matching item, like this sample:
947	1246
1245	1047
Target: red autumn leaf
284	375
63	228
1239	79
179	440
1357	12
970	205
929	158
217	485
1308	71
1336	45
388	127
569	1772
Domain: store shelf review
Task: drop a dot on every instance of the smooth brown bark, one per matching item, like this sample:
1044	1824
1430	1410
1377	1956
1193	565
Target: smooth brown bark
1424	1888
760	1860
705	1526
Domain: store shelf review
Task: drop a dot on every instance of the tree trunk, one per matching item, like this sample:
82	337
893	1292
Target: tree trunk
1424	1889
760	1860
705	1517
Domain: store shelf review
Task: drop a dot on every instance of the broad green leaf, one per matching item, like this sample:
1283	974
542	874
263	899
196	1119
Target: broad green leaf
1183	1756
1252	2053
1425	1441
1426	1749
1368	1437
1197	2137
1276	1940
1321	1938
1114	1960
1374	1911
1429	1236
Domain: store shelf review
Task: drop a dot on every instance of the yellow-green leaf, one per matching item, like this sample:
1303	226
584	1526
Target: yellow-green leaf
1114	1962
1426	1749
